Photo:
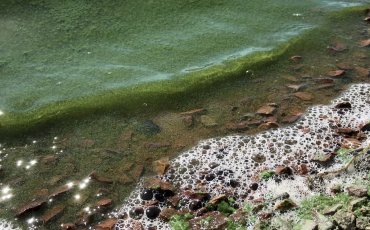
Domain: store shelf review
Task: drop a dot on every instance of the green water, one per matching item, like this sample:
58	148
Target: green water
63	57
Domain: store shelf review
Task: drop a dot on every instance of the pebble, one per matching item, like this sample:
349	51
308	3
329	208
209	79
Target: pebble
152	212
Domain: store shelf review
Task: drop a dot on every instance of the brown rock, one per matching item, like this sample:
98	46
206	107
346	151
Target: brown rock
266	110
296	58
336	73
53	212
94	175
357	190
362	72
30	206
324	80
174	200
291	118
239	216
349	143
347	131
283	170
268	125
167	213
365	43
238	127
60	190
285	205
194	112
49	159
160	166
305	96
217	199
295	87
303	169
210	221
105	202
325	86
323	158
107	224
156	183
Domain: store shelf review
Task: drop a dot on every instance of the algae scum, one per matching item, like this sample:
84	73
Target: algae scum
113	79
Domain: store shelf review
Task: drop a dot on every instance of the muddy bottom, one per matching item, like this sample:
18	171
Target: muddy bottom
57	174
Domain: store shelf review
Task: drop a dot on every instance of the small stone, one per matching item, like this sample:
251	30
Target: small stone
285	205
238	127
268	125
156	184
363	222
104	202
343	105
146	194
295	87
324	80
365	43
357	190
136	213
323	158
213	165
106	224
305	96
291	118
160	166
254	186
259	158
94	175
266	110
152	212
30	206
357	203
279	170
50	214
344	219
333	209
336	73
167	213
336	188
366	128
208	121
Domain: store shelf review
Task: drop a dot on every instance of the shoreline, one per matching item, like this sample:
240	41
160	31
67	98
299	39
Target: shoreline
122	156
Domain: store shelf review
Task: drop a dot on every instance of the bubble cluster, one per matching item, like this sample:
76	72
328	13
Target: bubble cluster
5	225
232	165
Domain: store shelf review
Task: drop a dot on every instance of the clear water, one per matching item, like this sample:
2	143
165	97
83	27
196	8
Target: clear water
53	51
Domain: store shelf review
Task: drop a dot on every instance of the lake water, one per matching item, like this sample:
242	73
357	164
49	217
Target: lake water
53	55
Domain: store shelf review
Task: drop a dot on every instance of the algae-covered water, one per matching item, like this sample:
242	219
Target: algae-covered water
56	54
104	60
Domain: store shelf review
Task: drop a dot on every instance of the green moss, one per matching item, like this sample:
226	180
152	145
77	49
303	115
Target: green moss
320	202
180	222
226	208
231	225
267	174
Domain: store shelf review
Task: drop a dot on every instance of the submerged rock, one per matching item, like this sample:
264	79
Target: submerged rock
53	212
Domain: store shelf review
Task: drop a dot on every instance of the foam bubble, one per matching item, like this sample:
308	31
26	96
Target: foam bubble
230	165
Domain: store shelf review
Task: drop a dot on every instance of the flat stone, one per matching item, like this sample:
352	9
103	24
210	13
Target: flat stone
238	127
160	166
268	125
217	199
167	213
104	202
357	190
107	224
323	158
324	80
336	73
305	96
210	221
30	206
332	210
365	43
60	190
295	87
280	169
344	66
357	203
53	212
285	205
363	222
344	219
266	110
94	175
208	121
156	183
291	118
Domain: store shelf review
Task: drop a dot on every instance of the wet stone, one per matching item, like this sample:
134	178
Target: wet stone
357	203
104	202
136	213
357	190
254	186
68	226
309	225
208	121
167	213
195	205
30	206
152	212
333	209
266	110
53	212
160	166
285	205
146	194
106	224
305	96
213	165
344	219
336	73
363	222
